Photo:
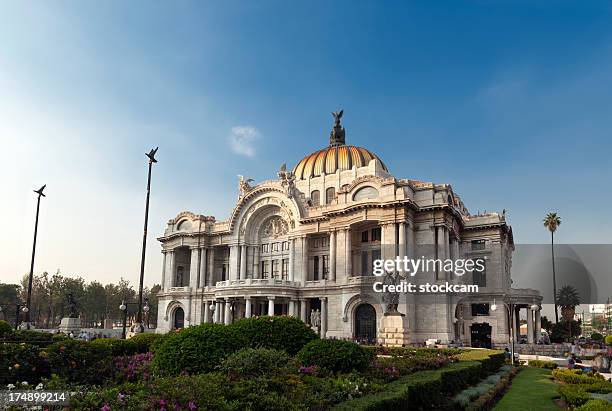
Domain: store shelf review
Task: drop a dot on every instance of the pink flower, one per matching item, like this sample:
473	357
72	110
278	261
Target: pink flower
106	407
192	405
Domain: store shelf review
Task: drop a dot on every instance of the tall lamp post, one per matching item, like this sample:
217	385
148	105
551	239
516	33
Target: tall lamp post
138	327
26	309
124	307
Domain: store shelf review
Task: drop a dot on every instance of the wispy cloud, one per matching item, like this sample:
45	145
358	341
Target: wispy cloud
242	140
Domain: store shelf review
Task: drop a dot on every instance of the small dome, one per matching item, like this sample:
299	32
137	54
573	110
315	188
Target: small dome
333	158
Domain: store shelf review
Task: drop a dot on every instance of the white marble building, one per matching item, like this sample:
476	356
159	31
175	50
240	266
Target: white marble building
306	241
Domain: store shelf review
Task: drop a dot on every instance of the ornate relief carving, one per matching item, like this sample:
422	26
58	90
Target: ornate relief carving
275	227
244	185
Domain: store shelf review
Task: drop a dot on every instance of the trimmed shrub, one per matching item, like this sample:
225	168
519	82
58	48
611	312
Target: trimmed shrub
335	355
5	329
145	342
59	337
255	362
21	362
608	340
196	349
550	365
421	390
117	347
578	377
38	338
574	395
595	405
597	337
491	360
80	361
280	333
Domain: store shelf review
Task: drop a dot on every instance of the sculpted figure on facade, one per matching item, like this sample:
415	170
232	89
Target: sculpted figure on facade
244	185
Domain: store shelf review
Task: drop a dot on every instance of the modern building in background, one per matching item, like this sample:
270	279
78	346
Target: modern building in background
305	242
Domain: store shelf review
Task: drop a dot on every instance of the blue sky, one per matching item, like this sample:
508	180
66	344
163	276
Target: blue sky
507	101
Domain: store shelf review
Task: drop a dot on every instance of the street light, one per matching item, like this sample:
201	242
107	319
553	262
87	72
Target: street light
138	327
124	307
510	307
40	194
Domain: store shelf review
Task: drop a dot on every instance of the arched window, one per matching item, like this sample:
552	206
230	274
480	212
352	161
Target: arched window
365	193
315	197
179	318
330	193
184	225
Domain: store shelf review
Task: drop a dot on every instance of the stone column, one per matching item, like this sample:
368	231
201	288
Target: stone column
441	249
530	325
233	262
203	266
228	312
247	310
411	247
217	314
538	325
256	269
304	260
206	315
163	280
517	324
303	310
291	308
193	268
332	256
243	262
291	259
348	254
271	306
211	266
323	317
321	267
402	239
170	272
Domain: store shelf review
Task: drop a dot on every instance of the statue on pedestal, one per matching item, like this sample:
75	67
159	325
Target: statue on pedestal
391	300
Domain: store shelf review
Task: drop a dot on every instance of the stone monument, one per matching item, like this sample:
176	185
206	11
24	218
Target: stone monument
72	323
393	331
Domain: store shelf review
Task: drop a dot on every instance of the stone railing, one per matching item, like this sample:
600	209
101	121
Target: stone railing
178	289
258	282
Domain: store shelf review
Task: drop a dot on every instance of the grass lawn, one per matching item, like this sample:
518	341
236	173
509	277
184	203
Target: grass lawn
531	389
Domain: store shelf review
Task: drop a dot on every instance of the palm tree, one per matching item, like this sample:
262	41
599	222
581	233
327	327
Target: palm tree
552	221
568	298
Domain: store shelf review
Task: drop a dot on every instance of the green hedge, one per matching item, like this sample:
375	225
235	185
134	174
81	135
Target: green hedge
574	395
80	361
147	342
197	349
550	365
5	329
428	389
423	389
38	338
335	355
117	347
279	333
595	405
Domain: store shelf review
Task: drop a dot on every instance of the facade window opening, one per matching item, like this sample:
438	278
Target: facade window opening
275	247
330	194
364	263
375	256
376	234
264	248
480	277
364	236
316	268
285	271
480	309
180	271
478	245
325	266
285	245
224	272
265	269
315	198
275	269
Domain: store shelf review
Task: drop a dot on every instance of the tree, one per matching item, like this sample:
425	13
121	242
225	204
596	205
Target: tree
552	222
546	324
568	299
8	301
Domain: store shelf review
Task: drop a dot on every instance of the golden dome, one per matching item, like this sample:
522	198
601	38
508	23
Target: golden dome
333	158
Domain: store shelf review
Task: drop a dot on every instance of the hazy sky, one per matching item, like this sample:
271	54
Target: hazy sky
509	102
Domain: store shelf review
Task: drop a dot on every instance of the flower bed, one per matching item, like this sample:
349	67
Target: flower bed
486	392
578	388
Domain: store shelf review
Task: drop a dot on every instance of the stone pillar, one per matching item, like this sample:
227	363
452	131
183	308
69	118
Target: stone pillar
247	309
163	280
348	254
323	317
206	315
538	325
256	269
321	267
291	259
271	306
170	272
193	268
332	256
440	248
228	312
217	314
411	246
456	249
211	266
303	310
402	239
530	325
233	262
243	262
517	324
291	308
304	260
203	266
